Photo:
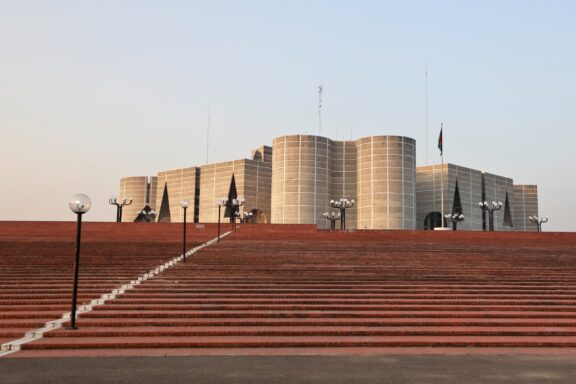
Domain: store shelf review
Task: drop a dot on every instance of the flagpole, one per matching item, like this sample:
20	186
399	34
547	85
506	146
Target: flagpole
442	175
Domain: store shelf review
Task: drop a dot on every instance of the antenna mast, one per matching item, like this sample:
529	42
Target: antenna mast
208	134
320	109
426	112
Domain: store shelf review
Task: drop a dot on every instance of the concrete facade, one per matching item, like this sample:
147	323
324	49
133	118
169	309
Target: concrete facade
429	182
386	192
474	186
495	189
301	179
173	186
142	190
344	178
525	204
378	172
264	154
253	183
293	181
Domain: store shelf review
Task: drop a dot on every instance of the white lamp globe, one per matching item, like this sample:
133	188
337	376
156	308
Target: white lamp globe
80	203
185	203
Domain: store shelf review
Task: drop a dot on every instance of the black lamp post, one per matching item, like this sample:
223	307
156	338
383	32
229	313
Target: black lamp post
184	204
490	208
220	203
333	217
455	219
235	205
538	221
79	204
119	205
342	204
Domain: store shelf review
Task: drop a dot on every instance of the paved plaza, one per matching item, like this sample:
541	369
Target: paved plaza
491	369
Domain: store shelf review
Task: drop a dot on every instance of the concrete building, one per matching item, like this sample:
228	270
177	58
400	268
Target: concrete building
294	180
386	190
253	183
142	190
499	189
344	178
525	204
464	188
174	186
462	192
310	171
301	179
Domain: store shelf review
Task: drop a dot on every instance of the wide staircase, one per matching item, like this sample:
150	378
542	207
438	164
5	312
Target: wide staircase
37	260
270	289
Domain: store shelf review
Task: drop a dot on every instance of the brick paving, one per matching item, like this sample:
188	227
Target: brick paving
271	289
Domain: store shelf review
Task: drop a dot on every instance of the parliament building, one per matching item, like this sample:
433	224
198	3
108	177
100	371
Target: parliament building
294	180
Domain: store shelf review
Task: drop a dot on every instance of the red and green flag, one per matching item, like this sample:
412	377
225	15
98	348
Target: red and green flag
440	141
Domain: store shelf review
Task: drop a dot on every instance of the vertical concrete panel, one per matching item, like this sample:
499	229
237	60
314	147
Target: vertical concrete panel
344	177
253	183
181	185
525	204
495	188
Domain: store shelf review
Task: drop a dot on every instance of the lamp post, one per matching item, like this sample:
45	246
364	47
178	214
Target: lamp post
490	208
538	221
333	217
119	205
79	204
342	204
233	204
184	204
220	203
455	219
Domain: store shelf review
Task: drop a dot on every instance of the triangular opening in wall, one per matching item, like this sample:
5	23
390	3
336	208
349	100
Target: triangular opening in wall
507	213
232	195
164	215
457	204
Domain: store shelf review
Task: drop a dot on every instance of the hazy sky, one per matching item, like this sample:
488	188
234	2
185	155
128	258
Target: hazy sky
91	91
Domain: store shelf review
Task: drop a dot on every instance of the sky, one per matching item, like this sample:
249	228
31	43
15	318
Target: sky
91	91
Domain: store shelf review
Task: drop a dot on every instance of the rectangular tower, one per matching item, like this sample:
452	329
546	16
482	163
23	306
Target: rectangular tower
525	204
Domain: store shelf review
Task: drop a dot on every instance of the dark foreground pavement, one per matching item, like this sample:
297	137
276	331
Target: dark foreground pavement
292	369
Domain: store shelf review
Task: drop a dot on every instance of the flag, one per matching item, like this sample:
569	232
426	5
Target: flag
440	141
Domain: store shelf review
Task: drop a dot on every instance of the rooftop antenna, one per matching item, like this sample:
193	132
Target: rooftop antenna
208	134
320	109
426	75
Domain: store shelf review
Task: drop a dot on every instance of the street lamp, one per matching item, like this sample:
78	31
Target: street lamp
455	219
490	208
79	204
184	204
220	203
342	204
119	205
233	204
538	221
333	217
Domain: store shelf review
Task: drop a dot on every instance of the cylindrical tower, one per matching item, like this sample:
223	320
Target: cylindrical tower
386	176
301	179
